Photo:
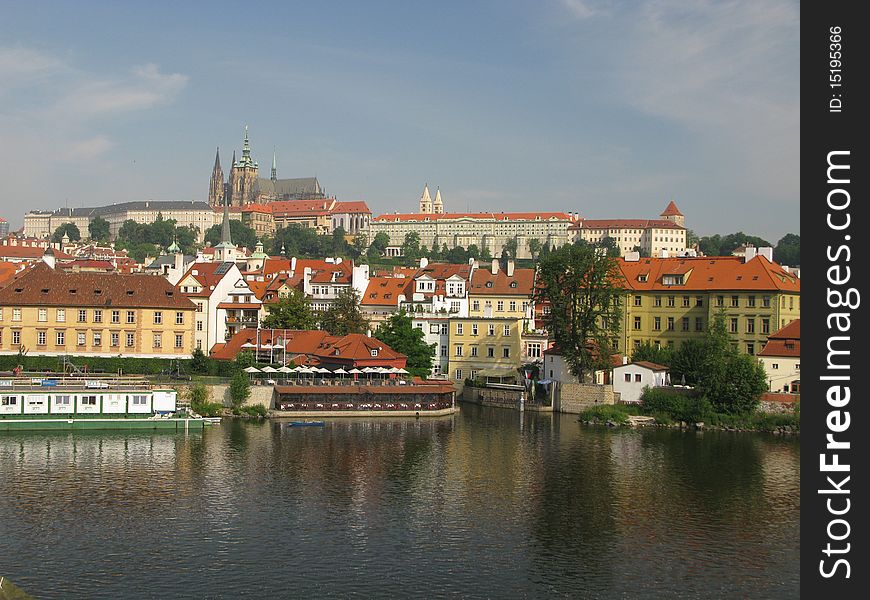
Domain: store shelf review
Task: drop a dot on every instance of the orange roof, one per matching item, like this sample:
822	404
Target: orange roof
483	282
671	210
287	207
354	348
646	364
442	271
206	275
351	207
503	216
385	291
784	343
33	252
626	224
716	273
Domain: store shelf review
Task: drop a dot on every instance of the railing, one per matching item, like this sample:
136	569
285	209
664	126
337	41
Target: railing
48	382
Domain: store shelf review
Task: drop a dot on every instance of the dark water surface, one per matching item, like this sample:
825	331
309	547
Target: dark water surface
488	503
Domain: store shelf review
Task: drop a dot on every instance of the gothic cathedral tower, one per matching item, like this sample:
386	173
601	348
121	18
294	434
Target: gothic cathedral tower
216	186
243	177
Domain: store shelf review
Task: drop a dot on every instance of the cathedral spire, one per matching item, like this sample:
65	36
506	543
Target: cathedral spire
438	205
217	158
225	227
426	201
274	176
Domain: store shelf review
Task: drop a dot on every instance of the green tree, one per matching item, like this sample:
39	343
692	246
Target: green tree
71	231
509	250
399	334
661	355
240	389
98	229
359	245
411	246
687	362
245	359
535	247
290	312
199	362
584	289
788	250
732	382
340	247
379	245
344	315
241	234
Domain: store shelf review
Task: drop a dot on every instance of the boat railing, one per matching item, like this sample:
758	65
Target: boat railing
93	383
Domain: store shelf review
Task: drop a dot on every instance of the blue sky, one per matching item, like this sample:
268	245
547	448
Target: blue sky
605	108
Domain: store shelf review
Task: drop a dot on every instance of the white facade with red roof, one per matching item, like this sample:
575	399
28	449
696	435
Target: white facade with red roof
781	357
654	237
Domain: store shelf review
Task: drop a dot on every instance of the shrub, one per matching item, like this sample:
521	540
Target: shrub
255	410
240	389
679	405
606	412
199	402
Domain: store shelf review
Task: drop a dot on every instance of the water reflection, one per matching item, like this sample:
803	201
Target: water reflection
485	503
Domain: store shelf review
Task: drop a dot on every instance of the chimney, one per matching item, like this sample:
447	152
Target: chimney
293	265
766	252
632	257
751	252
495	266
49	258
424	262
625	360
510	267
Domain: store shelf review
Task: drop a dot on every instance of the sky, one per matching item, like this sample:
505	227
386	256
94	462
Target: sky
606	108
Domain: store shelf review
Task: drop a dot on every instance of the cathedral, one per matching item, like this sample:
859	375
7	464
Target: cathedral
245	186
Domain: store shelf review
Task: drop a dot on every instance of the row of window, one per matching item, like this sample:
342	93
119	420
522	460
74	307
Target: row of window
97	316
490	351
97	338
499	305
460	329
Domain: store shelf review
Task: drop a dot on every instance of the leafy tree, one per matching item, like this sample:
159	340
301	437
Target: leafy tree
344	315
456	256
290	312
485	255
71	231
661	355
583	288
732	382
240	389
399	334
717	245
140	252
98	229
359	244
340	247
609	244
379	245
241	234
687	361
509	250
691	238
411	246
534	247
199	361
788	250
245	359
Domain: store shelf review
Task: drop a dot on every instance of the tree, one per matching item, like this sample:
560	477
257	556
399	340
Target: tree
245	359
290	312
71	231
359	244
240	389
399	334
583	288
788	250
411	246
534	247
344	315
687	362
509	250
379	245
732	382
340	247
241	234
98	229
199	361
661	355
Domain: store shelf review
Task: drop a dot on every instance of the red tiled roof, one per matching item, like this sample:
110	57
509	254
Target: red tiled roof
717	273
784	343
671	210
352	207
513	216
44	286
483	282
385	291
792	331
626	224
33	252
646	364
205	274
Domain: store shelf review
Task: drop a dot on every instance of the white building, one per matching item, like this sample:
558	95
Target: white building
653	237
781	357
630	379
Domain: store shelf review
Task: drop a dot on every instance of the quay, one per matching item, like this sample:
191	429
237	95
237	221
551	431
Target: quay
364	400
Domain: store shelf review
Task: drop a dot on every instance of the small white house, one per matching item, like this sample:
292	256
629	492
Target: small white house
630	379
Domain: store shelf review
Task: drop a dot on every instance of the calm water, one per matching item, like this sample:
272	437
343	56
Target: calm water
487	503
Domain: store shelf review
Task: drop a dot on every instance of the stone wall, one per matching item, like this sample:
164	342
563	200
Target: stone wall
577	397
499	398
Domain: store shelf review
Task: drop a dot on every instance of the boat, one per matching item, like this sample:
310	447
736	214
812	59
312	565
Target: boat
78	403
306	423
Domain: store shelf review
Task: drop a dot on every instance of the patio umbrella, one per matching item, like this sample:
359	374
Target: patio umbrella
340	371
269	369
284	369
249	345
402	371
252	370
354	371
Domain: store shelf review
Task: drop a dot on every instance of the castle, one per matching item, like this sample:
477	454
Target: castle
245	186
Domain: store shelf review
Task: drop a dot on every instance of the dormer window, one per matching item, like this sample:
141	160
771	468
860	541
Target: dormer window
513	284
489	284
643	278
672	280
374	352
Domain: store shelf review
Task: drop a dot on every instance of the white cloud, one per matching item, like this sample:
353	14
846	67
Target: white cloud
582	9
21	66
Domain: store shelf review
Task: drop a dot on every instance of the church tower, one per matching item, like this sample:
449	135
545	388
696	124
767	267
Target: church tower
226	250
426	201
673	214
216	187
243	177
438	205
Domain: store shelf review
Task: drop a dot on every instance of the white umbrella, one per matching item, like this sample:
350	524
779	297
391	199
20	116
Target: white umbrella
402	371
340	371
249	345
284	369
304	370
394	370
354	371
269	369
252	370
323	370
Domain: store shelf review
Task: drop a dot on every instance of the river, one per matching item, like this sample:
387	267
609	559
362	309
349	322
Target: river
488	503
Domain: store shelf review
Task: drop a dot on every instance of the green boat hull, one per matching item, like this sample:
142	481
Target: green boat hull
89	424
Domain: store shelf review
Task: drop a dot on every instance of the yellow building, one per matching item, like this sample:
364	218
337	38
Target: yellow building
476	344
48	312
671	300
